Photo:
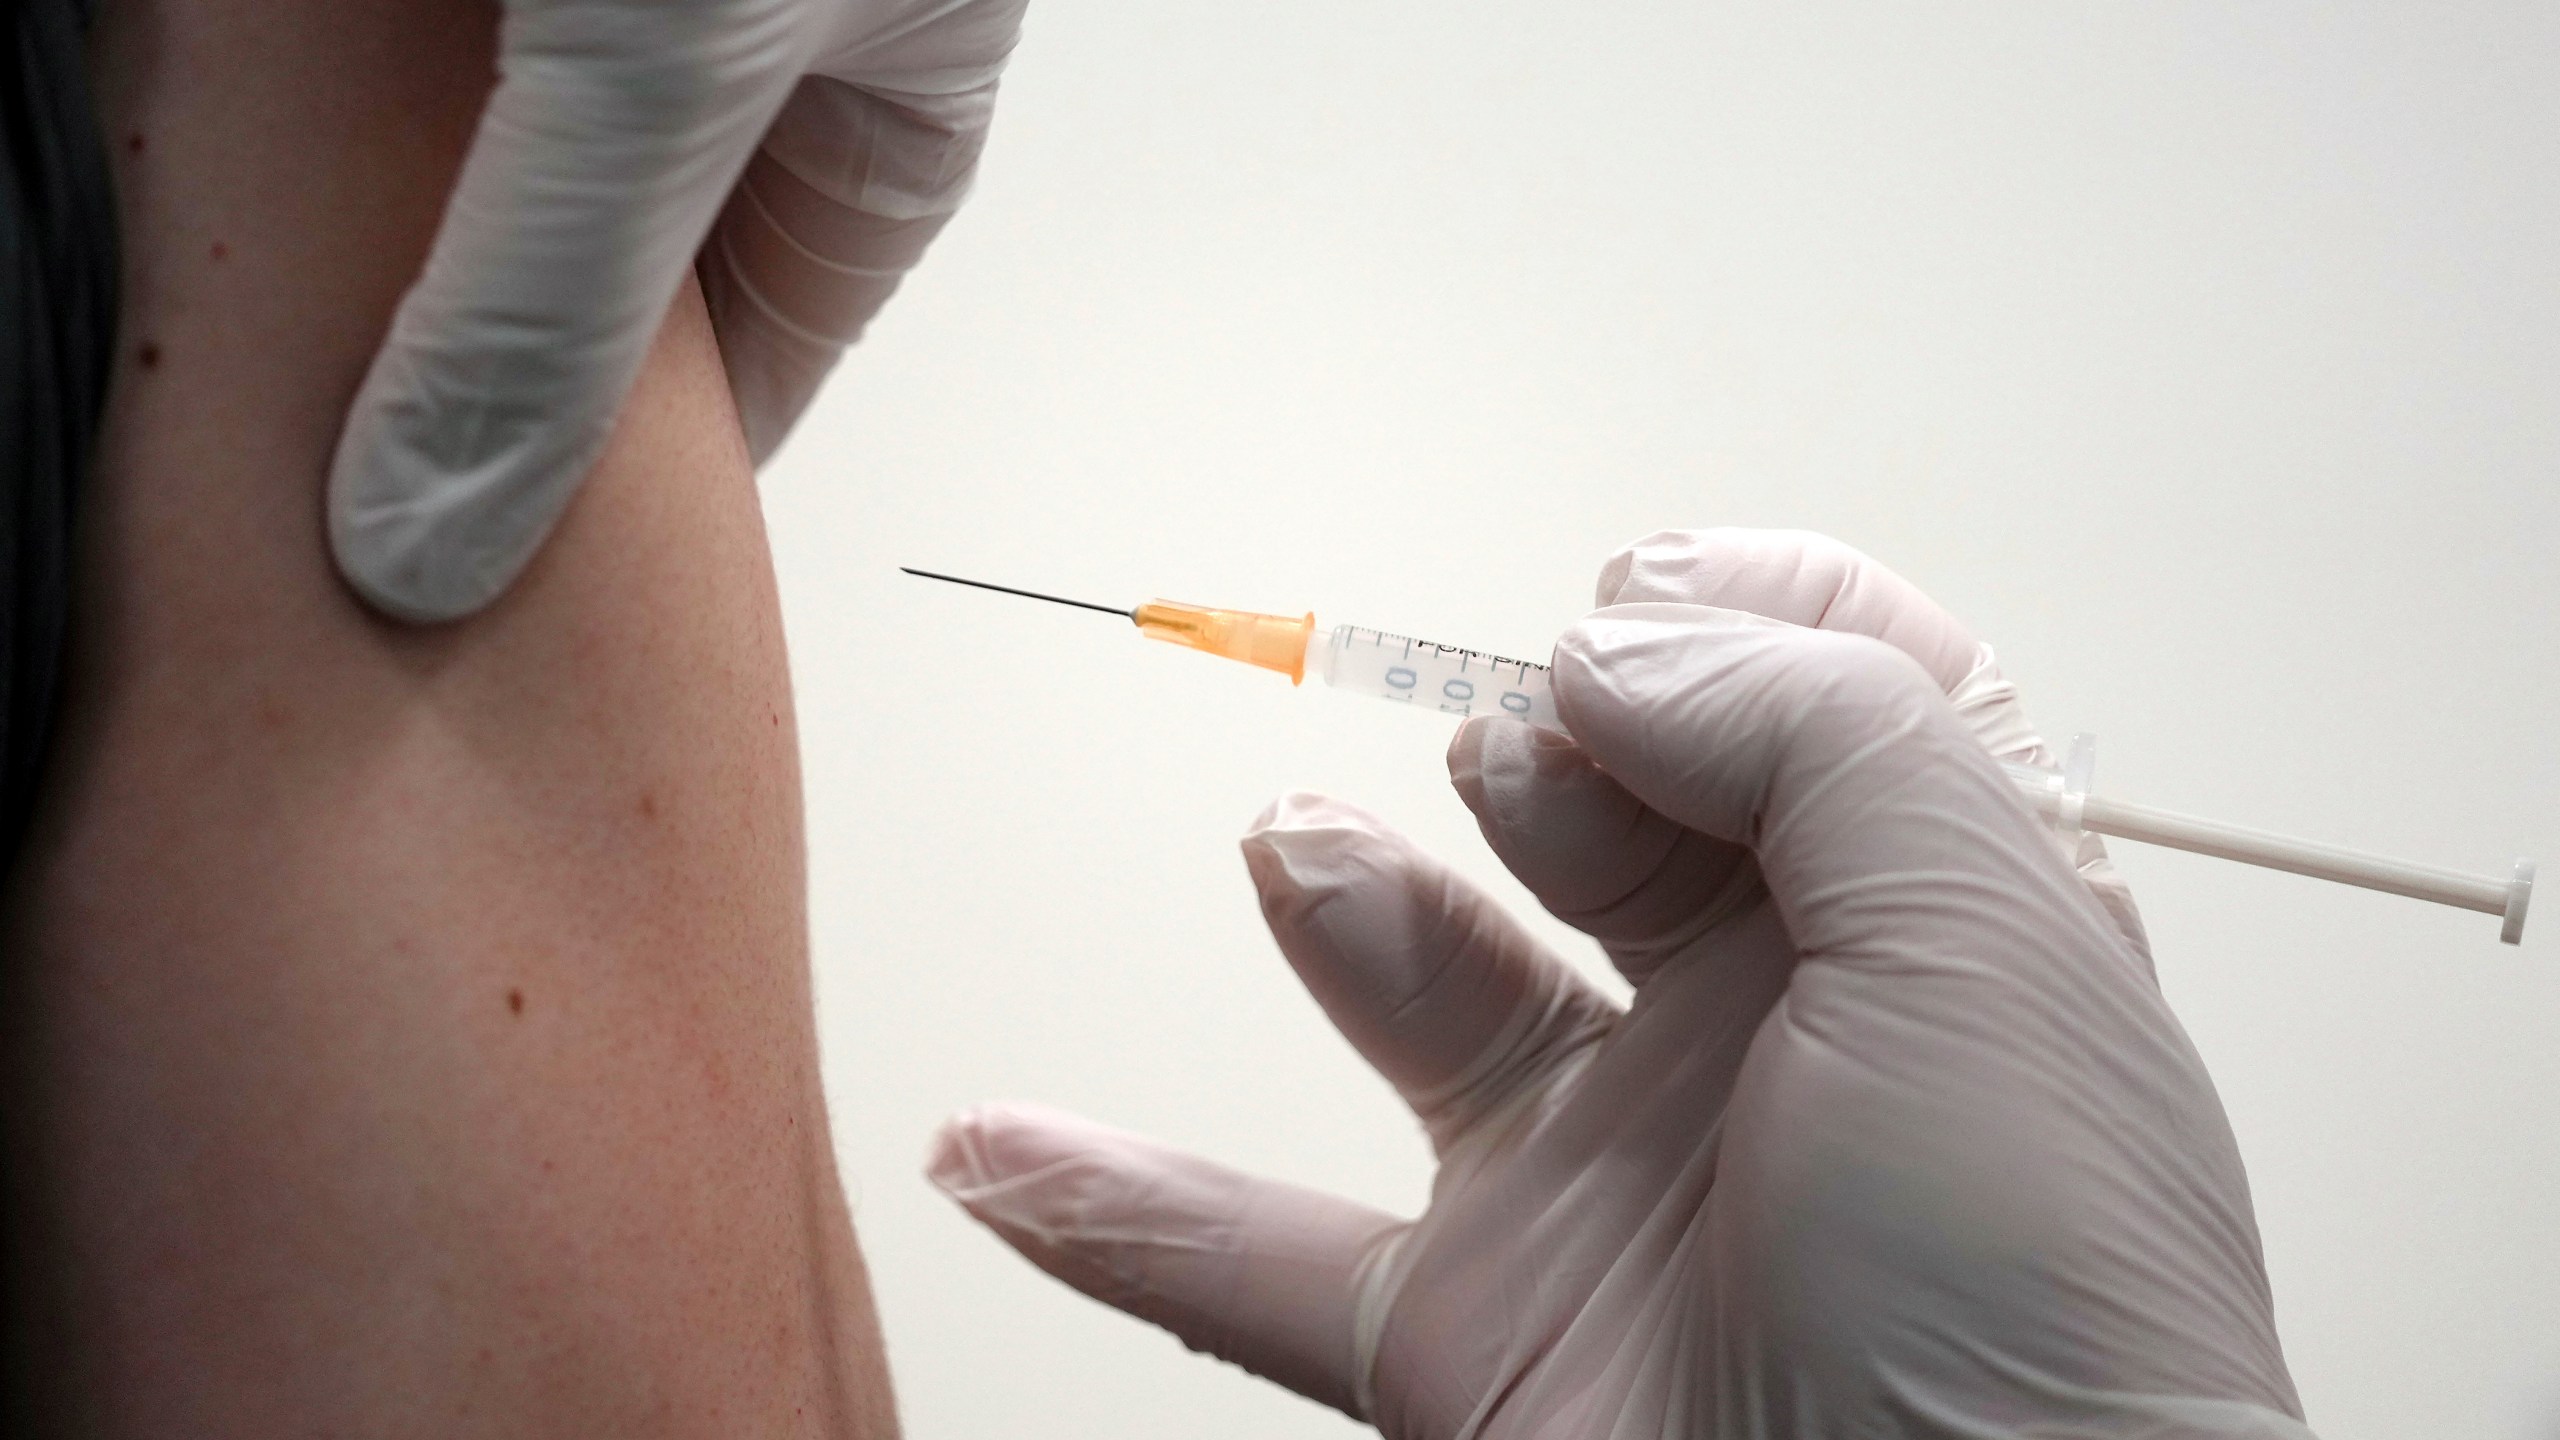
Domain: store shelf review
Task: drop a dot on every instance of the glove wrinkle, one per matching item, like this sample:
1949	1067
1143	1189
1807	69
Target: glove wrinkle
828	312
1595	856
1546	1039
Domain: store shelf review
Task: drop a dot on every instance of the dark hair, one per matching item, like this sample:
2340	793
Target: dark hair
58	268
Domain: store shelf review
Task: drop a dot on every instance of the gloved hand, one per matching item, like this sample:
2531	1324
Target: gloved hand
617	130
1896	1138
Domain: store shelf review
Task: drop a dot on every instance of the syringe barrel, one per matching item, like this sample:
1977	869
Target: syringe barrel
1431	676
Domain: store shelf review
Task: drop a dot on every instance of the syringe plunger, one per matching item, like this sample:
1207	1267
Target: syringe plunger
2063	797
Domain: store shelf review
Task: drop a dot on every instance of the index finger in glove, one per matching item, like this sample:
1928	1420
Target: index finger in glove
1820	583
1647	887
611	138
1877	822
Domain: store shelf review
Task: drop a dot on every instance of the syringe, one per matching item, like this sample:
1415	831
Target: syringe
1421	673
1457	681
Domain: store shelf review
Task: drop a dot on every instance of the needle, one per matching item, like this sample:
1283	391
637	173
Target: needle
1027	594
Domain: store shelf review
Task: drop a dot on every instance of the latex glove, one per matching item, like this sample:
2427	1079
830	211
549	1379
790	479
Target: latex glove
617	131
1896	1138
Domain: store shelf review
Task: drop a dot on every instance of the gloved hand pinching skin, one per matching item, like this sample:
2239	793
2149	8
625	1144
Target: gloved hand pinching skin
1896	1138
839	134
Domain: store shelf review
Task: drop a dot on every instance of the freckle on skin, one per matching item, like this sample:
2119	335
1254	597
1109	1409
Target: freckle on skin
515	1002
648	805
133	142
149	355
221	251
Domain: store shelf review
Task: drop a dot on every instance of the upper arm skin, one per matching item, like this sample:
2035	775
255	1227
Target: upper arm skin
409	1031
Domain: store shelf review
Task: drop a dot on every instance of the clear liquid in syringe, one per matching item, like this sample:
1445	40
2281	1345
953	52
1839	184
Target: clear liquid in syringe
1447	678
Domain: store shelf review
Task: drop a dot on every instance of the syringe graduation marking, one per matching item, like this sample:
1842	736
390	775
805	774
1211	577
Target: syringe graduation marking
1461	692
1491	660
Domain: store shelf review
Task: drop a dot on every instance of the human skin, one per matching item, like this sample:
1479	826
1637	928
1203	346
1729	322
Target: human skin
408	1031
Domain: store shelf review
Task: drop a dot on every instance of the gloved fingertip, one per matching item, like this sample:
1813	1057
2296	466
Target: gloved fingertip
1586	639
1643	686
388	585
427	532
945	1163
1279	813
1616	627
1293	839
956	1163
1691	566
1615	570
1491	759
1465	759
1627	643
1470	733
1003	1162
374	535
1606	653
1570	832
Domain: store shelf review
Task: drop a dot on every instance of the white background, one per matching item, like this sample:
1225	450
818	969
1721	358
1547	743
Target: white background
2205	357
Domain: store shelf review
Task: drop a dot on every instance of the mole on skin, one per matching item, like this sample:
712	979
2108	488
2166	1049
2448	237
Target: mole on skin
515	1002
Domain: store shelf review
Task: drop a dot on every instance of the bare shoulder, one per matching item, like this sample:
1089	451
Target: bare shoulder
407	1025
